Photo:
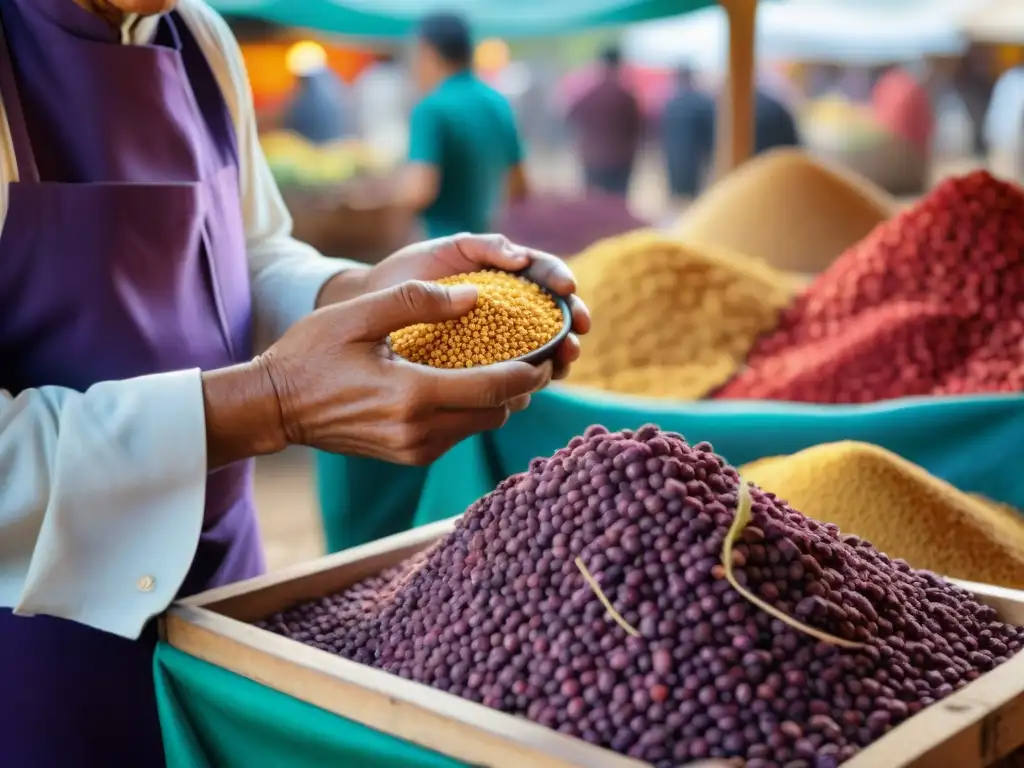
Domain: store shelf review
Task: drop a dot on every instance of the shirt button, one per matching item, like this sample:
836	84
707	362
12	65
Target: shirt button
146	584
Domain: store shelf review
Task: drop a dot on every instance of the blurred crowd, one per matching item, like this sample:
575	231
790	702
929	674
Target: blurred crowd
884	121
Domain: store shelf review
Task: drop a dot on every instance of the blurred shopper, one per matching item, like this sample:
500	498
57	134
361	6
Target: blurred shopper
320	108
688	133
464	147
903	106
382	101
1004	123
688	136
974	82
608	124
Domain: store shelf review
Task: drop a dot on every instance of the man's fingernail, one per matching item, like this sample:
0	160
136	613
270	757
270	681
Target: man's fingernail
462	293
517	252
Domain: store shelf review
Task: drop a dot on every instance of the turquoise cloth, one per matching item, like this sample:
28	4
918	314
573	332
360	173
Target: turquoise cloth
969	441
467	131
503	18
212	718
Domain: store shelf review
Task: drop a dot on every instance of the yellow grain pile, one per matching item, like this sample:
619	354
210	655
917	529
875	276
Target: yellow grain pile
788	209
512	318
671	320
901	509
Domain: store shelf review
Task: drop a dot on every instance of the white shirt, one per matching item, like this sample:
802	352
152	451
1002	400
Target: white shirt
102	492
1004	120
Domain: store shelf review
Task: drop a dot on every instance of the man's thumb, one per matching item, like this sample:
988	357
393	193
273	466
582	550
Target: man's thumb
411	303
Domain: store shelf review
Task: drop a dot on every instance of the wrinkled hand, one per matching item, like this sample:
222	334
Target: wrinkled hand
339	390
447	256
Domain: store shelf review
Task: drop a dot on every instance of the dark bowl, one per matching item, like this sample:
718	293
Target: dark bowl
544	352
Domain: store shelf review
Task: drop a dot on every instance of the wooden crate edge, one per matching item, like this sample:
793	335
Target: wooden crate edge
417	713
973	728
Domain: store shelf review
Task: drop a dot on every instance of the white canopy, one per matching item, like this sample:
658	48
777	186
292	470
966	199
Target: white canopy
841	31
997	21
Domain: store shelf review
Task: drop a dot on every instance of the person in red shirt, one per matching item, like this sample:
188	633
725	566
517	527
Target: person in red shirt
903	107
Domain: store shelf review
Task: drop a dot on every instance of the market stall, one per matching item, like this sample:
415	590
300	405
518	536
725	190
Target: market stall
683	324
340	661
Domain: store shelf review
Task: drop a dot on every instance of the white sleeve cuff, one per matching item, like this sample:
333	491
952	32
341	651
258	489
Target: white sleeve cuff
127	485
286	279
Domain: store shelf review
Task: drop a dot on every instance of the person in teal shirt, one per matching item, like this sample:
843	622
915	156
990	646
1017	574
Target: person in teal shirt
465	155
464	158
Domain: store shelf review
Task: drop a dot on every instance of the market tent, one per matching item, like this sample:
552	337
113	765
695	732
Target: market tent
997	21
505	18
842	31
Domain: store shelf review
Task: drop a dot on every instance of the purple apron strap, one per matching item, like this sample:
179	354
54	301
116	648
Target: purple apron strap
23	154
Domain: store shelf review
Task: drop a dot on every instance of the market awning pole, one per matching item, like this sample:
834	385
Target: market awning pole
734	141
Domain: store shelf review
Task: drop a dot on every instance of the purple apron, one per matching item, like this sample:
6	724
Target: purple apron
123	254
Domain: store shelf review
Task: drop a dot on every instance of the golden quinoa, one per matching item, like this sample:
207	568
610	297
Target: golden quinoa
671	320
512	318
901	509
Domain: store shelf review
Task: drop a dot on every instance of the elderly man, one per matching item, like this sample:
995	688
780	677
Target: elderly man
144	245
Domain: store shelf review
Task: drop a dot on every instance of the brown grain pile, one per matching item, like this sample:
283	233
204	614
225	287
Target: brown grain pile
902	509
671	320
512	318
788	209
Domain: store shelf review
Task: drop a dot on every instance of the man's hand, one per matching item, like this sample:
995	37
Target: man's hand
447	256
337	389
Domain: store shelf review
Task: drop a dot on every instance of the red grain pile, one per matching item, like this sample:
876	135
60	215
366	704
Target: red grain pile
930	303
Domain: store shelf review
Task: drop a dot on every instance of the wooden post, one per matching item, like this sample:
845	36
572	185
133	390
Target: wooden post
734	142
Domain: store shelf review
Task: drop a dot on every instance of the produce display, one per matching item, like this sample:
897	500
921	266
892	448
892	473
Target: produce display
565	226
833	122
671	320
928	304
900	508
512	318
295	161
787	208
632	591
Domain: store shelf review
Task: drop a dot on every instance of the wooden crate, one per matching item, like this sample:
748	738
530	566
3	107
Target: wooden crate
973	728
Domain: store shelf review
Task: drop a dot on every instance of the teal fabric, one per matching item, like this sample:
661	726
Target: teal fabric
504	18
362	500
969	441
212	718
467	131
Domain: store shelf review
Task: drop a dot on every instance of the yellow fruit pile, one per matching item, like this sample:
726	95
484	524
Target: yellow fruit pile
901	509
294	160
512	318
671	320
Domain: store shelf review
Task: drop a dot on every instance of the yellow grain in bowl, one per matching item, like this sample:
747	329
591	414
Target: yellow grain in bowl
512	318
671	320
901	509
